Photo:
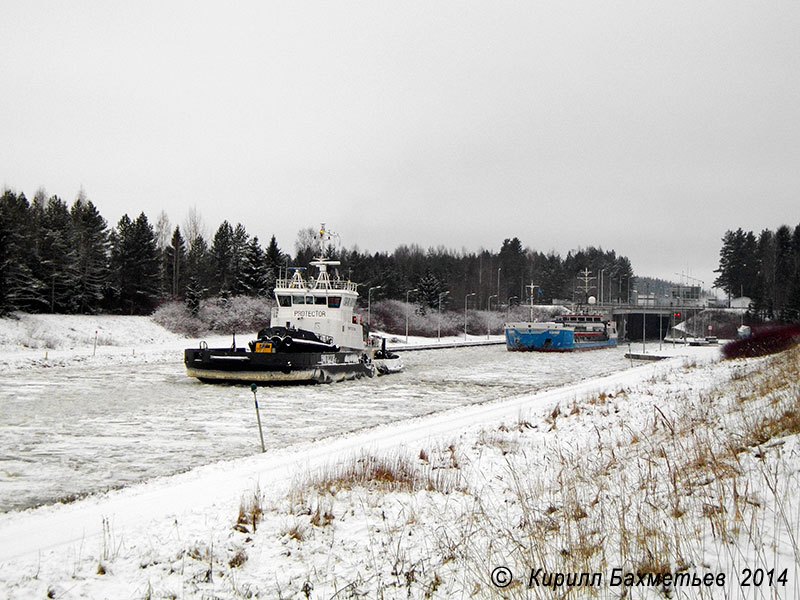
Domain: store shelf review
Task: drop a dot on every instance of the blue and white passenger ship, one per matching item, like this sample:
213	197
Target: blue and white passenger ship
566	333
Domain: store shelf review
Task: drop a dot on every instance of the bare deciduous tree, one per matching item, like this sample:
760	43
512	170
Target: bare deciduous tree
193	227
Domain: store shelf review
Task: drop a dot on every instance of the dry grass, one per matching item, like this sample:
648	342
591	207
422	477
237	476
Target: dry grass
378	495
250	512
322	517
690	478
238	559
294	532
690	491
386	474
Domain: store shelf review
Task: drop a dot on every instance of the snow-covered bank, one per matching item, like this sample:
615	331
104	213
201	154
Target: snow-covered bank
33	340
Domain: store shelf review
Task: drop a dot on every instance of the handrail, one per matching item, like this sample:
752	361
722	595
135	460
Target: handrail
336	284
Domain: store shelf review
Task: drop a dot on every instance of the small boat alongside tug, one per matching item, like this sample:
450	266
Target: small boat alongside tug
385	361
314	335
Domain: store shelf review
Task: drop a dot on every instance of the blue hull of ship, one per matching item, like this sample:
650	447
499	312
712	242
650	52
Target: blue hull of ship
551	340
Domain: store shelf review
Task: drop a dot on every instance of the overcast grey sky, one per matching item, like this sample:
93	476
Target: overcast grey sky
645	127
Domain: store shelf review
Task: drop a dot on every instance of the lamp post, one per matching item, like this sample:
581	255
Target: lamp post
488	321
644	322
508	307
369	304
439	327
465	314
627	278
407	293
601	286
533	287
498	280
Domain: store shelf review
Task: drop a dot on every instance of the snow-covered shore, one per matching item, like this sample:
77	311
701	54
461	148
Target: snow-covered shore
31	340
636	470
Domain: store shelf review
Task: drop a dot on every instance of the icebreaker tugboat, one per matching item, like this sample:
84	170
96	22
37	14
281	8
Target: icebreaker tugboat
314	336
565	334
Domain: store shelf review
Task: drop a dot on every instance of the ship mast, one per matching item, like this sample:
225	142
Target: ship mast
586	276
532	286
325	241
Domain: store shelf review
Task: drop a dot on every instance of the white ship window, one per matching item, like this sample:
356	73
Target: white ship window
320	300
284	300
298	299
334	301
309	299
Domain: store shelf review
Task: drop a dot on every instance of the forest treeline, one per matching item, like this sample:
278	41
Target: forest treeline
765	268
62	258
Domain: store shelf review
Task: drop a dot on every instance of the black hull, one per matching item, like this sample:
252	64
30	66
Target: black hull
228	365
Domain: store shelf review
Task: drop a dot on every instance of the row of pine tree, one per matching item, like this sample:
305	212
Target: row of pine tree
62	258
764	268
65	259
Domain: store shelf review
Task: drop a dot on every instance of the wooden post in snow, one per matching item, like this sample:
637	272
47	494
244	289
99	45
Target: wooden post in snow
253	388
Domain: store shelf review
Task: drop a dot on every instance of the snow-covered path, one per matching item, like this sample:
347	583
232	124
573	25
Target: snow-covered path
212	494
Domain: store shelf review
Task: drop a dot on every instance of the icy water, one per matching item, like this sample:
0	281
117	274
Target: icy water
66	432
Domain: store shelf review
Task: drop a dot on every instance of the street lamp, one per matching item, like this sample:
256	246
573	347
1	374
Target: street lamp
644	322
439	327
498	280
369	304
407	293
628	279
508	307
488	318
601	286
465	314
